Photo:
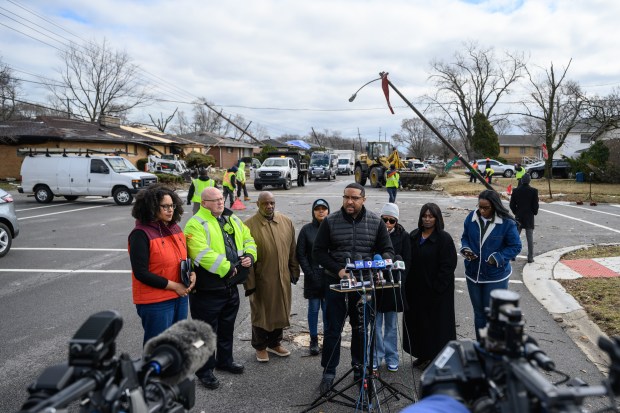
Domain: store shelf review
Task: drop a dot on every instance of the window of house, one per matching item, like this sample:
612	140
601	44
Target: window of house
585	137
229	150
522	150
506	150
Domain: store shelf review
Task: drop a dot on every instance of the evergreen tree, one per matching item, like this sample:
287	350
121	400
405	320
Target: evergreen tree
484	140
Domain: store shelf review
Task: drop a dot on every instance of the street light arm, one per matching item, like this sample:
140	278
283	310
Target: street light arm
353	96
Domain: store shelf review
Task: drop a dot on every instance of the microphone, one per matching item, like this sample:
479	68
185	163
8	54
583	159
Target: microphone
379	265
180	350
388	266
398	265
349	266
359	266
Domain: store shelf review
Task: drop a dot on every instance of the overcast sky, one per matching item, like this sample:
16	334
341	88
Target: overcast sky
292	65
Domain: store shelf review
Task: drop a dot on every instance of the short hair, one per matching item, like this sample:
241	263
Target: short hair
436	211
146	207
355	185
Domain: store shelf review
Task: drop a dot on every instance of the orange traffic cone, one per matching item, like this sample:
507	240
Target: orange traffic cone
237	205
509	189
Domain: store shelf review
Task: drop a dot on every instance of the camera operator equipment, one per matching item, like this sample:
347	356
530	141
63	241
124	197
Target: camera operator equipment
104	383
501	372
370	384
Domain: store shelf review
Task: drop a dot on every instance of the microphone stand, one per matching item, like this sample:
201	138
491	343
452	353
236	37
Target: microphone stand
368	382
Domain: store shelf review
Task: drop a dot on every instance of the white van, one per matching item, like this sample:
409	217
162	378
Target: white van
71	176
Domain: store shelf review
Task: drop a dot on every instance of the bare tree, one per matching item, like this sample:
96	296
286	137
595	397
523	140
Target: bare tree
558	107
207	120
160	123
415	136
9	89
97	80
603	113
474	82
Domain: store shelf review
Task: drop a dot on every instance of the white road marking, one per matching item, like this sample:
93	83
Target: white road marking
593	210
463	279
71	249
62	212
57	205
581	220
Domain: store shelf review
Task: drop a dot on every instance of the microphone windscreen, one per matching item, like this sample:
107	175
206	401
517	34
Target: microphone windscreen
377	257
398	258
358	257
194	340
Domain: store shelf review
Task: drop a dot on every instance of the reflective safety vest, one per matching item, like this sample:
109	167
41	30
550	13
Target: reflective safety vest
392	179
240	175
489	171
226	180
519	173
199	186
205	242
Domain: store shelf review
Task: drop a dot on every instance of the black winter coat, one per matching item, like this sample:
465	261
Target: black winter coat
429	322
393	299
313	273
524	204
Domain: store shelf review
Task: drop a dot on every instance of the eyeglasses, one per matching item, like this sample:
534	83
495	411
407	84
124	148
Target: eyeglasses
170	207
214	200
352	198
390	220
484	208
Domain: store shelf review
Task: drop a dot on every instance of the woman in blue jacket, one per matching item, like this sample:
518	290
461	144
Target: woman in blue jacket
490	240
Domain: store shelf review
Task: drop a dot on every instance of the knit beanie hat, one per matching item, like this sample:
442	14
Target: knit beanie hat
390	209
526	179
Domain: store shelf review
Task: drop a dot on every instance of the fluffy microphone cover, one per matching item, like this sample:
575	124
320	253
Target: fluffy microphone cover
194	339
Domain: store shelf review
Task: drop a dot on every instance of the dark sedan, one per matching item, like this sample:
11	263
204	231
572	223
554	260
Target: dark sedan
559	169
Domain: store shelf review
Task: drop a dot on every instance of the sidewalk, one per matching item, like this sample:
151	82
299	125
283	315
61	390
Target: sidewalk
540	278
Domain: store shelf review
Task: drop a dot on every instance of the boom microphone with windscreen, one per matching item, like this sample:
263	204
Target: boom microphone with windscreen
179	351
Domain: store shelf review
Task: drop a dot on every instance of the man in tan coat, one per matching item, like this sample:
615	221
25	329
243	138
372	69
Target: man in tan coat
269	283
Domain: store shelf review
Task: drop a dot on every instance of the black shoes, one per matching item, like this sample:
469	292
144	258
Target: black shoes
234	368
314	346
326	385
209	380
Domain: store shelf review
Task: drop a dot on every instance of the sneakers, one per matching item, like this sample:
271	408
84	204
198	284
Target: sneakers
314	346
326	385
262	356
280	351
392	368
247	198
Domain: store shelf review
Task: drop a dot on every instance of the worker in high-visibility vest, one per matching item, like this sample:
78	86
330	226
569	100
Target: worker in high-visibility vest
488	172
392	182
197	186
519	172
228	184
240	176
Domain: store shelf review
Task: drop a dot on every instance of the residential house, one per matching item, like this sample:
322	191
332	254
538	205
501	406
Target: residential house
226	151
582	136
58	135
520	148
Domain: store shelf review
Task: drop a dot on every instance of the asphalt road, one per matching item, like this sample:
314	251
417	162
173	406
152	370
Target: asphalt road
70	261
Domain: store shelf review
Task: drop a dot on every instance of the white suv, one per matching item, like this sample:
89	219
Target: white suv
499	168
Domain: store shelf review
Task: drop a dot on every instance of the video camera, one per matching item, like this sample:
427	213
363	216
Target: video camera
501	373
101	382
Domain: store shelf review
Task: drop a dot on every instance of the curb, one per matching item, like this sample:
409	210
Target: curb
539	280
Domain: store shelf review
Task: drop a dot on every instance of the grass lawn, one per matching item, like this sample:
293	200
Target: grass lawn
457	183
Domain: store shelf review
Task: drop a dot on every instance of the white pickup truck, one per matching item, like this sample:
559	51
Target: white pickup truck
281	170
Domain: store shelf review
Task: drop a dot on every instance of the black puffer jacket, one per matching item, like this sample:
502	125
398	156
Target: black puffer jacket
313	272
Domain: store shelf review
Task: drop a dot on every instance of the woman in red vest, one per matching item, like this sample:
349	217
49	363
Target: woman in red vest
156	249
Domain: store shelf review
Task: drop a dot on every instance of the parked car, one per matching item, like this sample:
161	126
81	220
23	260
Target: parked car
500	169
559	169
9	228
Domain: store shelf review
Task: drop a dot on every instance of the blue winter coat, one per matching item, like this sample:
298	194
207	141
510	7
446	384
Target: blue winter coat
501	241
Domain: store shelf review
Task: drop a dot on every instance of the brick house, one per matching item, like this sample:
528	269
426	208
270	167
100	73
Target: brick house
56	135
225	151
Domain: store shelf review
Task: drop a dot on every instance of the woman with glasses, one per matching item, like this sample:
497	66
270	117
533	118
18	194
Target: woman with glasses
390	301
489	242
156	249
429	321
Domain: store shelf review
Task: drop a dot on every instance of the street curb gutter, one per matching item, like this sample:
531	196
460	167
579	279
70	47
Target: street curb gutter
538	278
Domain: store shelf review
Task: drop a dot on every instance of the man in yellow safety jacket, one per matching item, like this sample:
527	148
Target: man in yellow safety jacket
229	181
519	172
197	186
240	175
392	182
222	251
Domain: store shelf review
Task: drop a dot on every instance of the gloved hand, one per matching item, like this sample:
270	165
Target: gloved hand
294	279
250	292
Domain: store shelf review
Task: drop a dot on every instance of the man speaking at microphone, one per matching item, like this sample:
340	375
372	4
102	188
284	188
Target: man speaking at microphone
349	232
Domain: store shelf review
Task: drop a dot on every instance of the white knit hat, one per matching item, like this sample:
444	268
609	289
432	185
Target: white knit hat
390	209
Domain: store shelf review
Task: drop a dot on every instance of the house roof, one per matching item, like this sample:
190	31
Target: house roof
50	128
212	139
521	140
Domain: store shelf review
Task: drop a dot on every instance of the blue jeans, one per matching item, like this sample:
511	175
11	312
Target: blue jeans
392	194
480	294
157	317
314	305
387	340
